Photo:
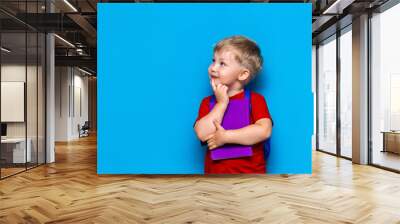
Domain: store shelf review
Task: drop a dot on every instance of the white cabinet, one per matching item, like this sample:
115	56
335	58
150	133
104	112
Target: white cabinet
18	149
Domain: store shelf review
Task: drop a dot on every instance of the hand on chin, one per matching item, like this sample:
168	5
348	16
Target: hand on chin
216	81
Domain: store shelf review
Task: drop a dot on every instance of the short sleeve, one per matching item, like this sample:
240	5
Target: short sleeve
259	108
204	108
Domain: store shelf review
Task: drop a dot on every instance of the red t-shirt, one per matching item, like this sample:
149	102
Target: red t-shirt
253	164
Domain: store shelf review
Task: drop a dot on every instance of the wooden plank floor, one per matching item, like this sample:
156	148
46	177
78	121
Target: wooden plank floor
70	191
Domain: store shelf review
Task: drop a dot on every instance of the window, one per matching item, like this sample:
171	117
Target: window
385	88
346	92
327	95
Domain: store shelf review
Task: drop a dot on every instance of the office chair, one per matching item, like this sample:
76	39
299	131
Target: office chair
84	130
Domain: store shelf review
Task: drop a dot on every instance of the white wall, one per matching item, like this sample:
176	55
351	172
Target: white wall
13	101
62	81
71	94
80	105
14	72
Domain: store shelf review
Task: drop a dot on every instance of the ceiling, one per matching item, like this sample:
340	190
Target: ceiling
329	16
76	22
72	20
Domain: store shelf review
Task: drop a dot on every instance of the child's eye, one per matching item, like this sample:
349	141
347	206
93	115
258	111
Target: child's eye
222	64
213	60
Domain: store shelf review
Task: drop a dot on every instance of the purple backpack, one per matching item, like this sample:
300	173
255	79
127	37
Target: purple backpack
237	115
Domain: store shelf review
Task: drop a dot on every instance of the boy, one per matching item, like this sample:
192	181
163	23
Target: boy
236	61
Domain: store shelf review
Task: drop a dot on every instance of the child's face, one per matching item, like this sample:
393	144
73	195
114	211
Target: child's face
225	69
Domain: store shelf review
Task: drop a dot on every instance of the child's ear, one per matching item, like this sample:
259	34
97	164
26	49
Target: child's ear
244	75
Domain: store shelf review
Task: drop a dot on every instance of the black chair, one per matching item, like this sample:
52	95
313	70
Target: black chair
84	130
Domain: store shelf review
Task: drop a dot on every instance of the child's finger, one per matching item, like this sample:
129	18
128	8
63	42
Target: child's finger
217	125
209	137
212	84
221	88
225	88
212	144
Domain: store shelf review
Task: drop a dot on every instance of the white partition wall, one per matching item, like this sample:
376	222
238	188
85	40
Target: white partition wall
13	79
23	88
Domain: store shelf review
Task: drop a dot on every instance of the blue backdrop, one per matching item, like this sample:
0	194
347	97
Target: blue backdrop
152	76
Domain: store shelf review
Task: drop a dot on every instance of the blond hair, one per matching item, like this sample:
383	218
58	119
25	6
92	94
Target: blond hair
249	53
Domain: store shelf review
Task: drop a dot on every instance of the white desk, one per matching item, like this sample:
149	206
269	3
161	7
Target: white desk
18	149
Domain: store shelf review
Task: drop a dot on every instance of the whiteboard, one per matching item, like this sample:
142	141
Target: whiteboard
12	101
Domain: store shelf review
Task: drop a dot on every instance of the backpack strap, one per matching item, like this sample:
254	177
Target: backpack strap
267	144
267	148
212	100
247	94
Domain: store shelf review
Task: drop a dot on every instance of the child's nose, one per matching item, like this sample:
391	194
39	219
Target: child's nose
212	71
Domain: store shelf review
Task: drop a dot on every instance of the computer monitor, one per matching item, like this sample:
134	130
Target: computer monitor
3	129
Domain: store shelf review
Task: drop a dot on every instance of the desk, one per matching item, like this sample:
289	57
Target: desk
15	148
391	141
